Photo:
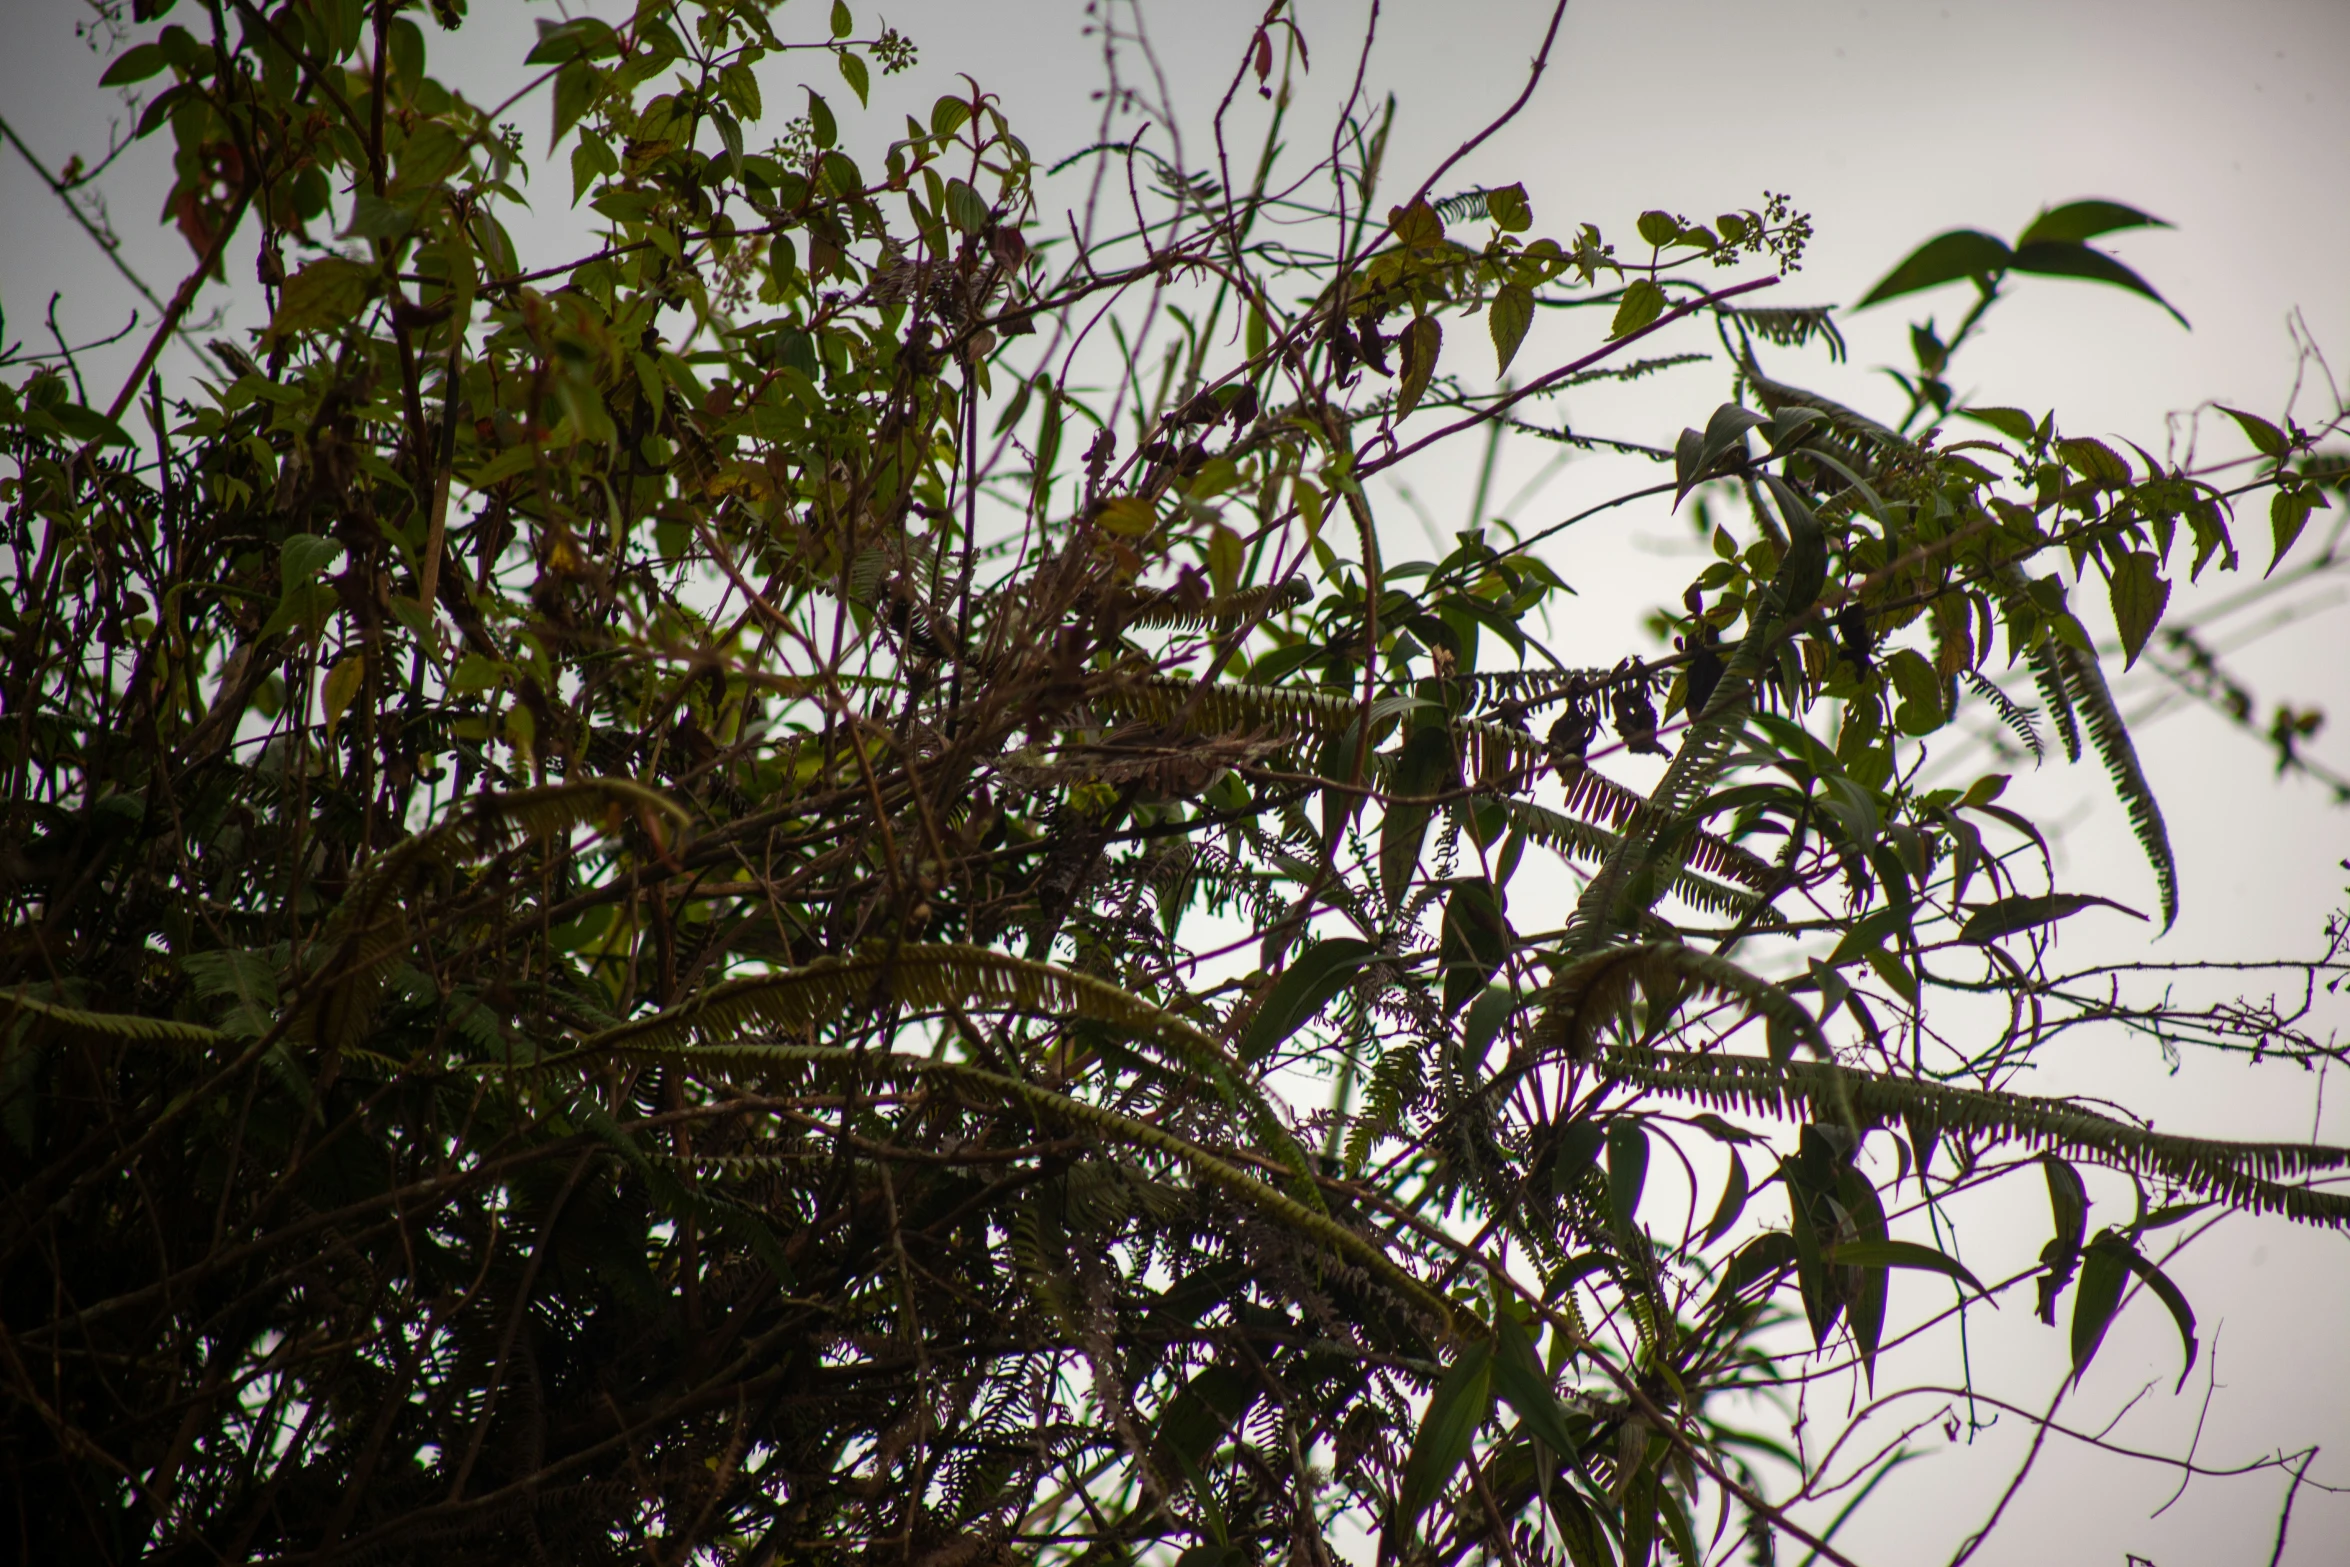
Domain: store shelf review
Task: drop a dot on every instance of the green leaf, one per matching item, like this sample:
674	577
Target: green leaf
966	209
1961	253
2050	259
1900	1254
135	65
1509	209
327	291
1313	979
1642	303
1507	318
576	88
1522	1383
738	84
2288	514
853	71
2138	593
1724	432
87	425
948	115
1627	1171
2265	437
2182	1315
2076	221
843	24
1421	342
1579	1144
1803	570
1991	921
1659	229
2013	423
1416	224
372	217
2104	1269
1475	941
1456	1409
823	128
1733	1203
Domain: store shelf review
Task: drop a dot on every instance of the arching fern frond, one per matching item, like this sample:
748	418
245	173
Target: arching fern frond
1587	994
1583	841
1171	613
1128	1130
2245	1175
2092	698
44	1020
2015	715
936	977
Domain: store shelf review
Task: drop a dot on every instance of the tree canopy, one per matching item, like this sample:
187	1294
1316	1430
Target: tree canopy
811	887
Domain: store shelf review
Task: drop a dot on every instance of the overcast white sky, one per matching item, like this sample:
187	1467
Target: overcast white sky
1888	122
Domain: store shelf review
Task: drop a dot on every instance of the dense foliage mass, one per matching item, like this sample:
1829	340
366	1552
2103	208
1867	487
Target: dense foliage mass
805	890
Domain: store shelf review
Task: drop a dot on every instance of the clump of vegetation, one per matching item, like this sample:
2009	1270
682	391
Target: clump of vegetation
807	888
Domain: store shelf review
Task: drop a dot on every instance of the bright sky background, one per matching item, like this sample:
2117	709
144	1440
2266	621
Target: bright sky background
1888	122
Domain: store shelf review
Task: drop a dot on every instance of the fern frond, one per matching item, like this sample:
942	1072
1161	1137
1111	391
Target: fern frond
1587	994
2016	716
2085	684
1170	613
1583	841
936	976
2048	677
1658	839
1128	1130
1594	794
1792	326
1486	748
2245	1175
370	928
45	1020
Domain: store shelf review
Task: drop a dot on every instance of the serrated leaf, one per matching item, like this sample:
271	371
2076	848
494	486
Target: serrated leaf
2266	438
2138	594
1946	258
1507	318
1416	224
1509	209
324	292
1992	921
2013	423
2288	514
1659	229
1642	303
